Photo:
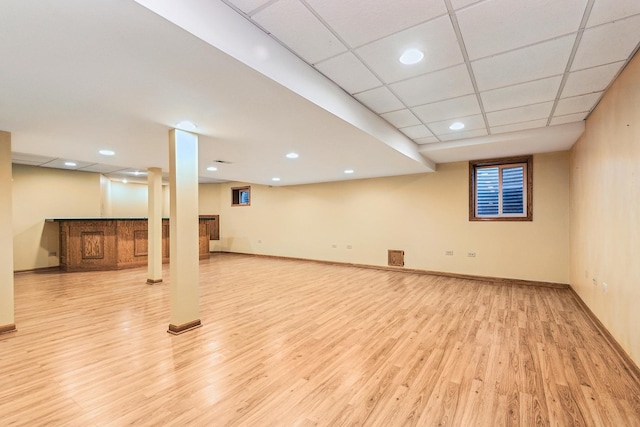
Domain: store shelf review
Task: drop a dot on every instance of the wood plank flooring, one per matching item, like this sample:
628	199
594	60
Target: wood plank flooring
294	343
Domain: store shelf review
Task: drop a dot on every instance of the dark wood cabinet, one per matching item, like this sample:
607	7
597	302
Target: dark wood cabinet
116	243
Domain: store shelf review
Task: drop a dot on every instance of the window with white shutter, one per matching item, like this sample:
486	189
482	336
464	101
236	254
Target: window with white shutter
501	189
241	196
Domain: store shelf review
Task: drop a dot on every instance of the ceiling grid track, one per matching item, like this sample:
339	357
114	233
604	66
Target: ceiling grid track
567	71
467	62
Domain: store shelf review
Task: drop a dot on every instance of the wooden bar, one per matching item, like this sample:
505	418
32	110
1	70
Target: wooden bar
116	243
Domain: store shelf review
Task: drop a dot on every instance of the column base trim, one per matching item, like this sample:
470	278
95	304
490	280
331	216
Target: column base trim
5	329
185	327
153	281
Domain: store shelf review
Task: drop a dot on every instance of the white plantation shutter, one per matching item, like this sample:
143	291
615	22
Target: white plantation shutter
501	190
244	197
487	190
513	190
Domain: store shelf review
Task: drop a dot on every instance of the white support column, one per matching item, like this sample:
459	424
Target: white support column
154	257
7	311
184	252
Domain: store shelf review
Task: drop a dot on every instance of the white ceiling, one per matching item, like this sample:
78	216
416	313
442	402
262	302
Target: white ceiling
319	77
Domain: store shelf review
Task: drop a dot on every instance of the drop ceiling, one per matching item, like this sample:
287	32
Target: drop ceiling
318	77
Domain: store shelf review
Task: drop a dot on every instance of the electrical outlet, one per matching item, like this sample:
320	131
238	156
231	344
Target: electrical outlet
259	241
334	246
449	253
53	253
605	287
349	247
471	254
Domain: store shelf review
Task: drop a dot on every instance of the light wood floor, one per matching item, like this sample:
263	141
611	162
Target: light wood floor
292	343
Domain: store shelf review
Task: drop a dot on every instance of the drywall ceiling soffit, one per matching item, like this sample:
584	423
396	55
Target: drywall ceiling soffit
226	30
84	76
514	140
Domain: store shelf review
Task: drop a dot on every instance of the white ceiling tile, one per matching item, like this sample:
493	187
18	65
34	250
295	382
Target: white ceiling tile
569	118
436	39
30	159
415	132
401	118
100	168
520	114
60	164
522	65
464	135
349	73
590	80
519	126
523	94
25	162
459	4
449	109
577	104
362	21
610	10
607	43
295	26
491	27
248	5
470	123
427	140
437	86
380	100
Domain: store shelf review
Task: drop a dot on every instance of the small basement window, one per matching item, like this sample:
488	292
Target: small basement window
241	196
501	189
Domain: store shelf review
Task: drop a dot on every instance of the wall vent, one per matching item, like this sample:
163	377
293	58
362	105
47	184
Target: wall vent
396	258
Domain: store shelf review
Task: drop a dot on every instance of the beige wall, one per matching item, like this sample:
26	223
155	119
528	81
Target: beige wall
424	215
209	204
40	193
128	200
105	196
605	210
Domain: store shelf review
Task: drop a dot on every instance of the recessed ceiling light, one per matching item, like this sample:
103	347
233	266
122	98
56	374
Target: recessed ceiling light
456	126
411	56
292	155
124	181
348	171
275	179
212	168
69	164
186	125
106	152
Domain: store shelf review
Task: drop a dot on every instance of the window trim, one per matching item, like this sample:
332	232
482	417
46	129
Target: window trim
473	167
237	190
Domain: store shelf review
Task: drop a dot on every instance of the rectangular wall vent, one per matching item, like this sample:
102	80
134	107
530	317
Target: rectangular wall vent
396	258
